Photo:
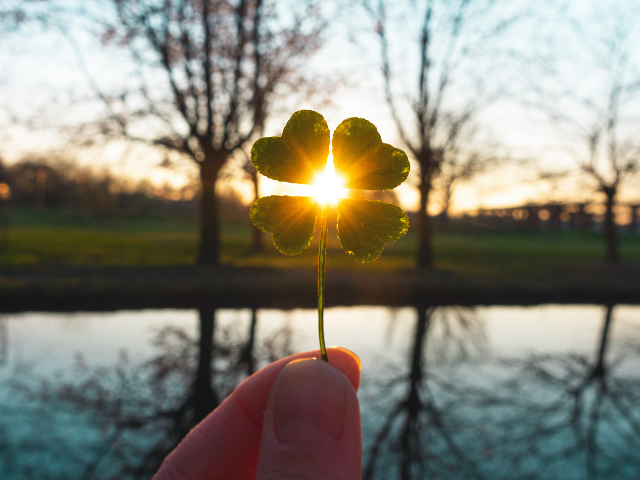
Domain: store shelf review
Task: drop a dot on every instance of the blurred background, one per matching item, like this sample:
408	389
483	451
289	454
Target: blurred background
500	337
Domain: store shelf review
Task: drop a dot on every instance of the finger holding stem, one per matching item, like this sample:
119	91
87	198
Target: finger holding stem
321	259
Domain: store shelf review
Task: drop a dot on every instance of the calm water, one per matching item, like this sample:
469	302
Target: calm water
491	392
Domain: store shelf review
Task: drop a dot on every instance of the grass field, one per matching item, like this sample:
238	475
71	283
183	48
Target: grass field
39	237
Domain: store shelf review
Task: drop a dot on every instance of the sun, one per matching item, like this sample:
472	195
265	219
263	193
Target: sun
327	186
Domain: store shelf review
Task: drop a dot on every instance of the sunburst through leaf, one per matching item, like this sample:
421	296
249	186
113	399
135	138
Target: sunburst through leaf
360	161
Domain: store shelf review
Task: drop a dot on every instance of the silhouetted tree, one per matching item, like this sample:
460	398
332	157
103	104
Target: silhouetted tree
444	85
594	109
224	62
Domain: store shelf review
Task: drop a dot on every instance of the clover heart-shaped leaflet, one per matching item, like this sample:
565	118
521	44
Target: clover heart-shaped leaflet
360	159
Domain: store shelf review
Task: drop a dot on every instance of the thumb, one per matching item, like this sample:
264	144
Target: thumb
311	428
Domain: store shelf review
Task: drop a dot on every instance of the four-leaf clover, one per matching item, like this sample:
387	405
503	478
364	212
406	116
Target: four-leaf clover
360	159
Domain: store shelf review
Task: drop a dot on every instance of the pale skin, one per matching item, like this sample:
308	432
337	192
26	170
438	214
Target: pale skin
297	418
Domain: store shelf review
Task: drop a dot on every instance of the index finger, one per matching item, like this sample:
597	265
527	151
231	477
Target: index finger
227	442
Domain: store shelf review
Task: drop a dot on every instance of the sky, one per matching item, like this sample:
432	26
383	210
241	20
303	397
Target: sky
44	82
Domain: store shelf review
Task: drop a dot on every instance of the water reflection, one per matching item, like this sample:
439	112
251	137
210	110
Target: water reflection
416	439
563	415
452	408
579	413
4	342
140	410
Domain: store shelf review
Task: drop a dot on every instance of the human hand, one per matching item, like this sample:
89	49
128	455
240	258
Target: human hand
296	418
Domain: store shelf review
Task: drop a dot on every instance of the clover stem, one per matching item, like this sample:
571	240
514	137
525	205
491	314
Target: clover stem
321	258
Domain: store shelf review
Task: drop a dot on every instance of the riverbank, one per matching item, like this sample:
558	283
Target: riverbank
74	288
55	261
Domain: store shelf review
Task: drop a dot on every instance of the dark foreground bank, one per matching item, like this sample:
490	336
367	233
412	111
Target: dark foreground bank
73	288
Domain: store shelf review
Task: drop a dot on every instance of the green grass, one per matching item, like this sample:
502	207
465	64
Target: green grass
40	217
40	237
544	253
77	246
472	253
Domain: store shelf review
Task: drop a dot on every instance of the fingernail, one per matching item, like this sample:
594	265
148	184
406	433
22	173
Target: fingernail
351	354
309	408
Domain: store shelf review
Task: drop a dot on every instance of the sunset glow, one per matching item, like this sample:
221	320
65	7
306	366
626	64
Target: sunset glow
327	186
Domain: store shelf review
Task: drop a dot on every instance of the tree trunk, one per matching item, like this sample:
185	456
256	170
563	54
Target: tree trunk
599	369
635	220
256	232
425	231
610	229
419	341
247	356
209	250
204	396
448	193
413	404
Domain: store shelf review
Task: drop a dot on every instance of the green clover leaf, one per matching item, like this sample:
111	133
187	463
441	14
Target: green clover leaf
359	157
292	220
299	155
364	226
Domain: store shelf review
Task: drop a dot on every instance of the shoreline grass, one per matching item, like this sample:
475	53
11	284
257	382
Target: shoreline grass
35	239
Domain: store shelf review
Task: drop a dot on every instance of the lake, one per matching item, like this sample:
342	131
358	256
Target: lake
550	391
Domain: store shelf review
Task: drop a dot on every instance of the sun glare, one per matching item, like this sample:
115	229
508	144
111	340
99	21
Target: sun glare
327	186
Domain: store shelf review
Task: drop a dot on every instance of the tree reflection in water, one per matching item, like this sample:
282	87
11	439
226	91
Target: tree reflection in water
580	413
562	415
143	410
416	439
452	412
4	342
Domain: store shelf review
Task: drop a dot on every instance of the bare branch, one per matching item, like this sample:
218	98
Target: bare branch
386	73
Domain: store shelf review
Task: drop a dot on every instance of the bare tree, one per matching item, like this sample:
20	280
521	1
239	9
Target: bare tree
455	78
224	63
620	159
418	433
593	100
